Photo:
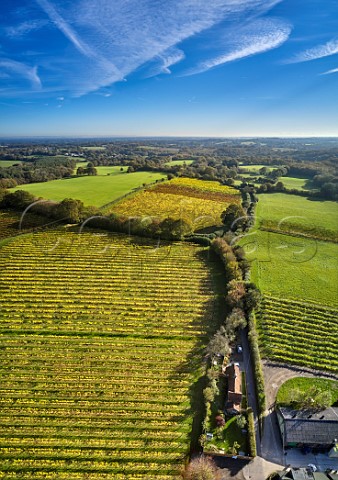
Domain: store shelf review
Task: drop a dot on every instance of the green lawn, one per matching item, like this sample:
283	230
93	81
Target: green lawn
225	438
293	267
295	214
92	190
304	385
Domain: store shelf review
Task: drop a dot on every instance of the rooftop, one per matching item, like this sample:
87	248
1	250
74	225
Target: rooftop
234	378
310	428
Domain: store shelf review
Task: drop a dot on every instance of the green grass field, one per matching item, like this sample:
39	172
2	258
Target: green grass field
294	182
297	273
105	170
293	267
92	190
255	168
8	163
112	170
282	212
102	344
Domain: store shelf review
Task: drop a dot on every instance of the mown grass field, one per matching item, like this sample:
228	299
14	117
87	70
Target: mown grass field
196	201
294	182
255	168
293	267
102	338
92	190
105	170
282	212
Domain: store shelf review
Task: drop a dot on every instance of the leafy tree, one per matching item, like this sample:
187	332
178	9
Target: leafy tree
3	192
69	210
219	344
91	171
233	217
236	292
175	229
209	395
253	297
235	320
241	421
19	199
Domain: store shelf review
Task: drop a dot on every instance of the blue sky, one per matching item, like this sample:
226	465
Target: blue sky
169	67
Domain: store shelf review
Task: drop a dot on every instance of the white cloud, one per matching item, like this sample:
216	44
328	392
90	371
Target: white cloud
122	35
258	37
22	70
334	70
164	61
320	51
19	31
171	58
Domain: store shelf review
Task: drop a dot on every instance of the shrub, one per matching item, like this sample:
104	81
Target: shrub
253	341
220	422
241	421
251	433
201	468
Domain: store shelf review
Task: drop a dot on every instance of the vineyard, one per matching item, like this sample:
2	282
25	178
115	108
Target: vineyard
302	333
101	341
195	201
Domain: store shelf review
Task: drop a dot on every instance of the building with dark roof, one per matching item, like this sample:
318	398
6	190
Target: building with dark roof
300	428
302	474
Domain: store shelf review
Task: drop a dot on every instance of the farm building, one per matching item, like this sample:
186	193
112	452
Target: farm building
305	429
302	474
234	395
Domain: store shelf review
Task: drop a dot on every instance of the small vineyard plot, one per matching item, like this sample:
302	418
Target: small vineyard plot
302	332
